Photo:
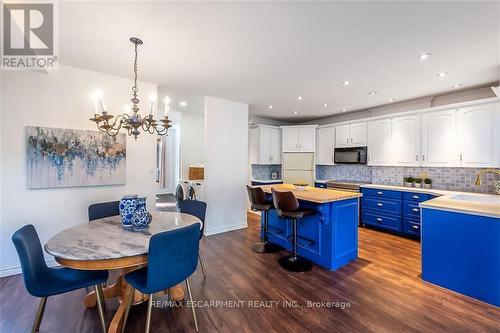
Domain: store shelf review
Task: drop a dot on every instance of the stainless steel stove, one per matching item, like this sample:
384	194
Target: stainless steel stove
345	185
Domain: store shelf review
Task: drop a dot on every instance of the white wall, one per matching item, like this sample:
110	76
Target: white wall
226	164
192	141
61	99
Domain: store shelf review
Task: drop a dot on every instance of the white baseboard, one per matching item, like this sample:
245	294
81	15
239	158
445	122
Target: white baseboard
14	270
226	229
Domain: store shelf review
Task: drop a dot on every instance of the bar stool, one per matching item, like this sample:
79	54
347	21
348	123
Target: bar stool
287	207
260	203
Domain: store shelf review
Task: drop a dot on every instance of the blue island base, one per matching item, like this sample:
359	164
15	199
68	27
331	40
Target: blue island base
329	238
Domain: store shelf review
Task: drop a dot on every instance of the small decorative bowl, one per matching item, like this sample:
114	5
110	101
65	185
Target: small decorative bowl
300	187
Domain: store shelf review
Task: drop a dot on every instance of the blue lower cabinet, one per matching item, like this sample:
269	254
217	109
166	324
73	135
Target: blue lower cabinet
411	210
381	220
328	238
461	252
393	210
411	227
382	205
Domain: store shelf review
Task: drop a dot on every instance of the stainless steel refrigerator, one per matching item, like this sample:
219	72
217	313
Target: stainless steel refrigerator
298	168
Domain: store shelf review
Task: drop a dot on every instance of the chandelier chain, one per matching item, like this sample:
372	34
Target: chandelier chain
134	88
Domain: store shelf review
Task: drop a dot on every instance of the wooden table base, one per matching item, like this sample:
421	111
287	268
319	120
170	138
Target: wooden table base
121	289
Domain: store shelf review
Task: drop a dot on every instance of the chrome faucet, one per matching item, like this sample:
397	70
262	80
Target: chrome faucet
484	171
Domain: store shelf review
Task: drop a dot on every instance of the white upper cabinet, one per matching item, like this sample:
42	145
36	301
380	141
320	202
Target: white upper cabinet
438	139
325	145
342	137
275	147
290	139
379	142
264	145
350	135
479	136
299	138
405	146
358	134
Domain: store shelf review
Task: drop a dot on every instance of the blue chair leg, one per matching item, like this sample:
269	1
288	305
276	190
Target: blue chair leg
39	315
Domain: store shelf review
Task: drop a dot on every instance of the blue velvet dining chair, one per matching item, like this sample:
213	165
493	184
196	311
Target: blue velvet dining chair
199	209
42	281
104	209
172	258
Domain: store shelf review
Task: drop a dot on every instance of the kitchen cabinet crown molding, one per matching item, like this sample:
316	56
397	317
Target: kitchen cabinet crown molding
460	105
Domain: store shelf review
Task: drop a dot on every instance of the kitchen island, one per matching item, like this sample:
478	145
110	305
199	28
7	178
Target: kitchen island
328	238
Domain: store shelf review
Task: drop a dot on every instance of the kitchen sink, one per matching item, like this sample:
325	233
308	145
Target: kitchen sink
478	198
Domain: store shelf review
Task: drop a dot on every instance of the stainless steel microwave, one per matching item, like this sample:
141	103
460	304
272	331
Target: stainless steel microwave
352	155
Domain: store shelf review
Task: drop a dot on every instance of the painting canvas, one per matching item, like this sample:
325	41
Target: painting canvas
67	157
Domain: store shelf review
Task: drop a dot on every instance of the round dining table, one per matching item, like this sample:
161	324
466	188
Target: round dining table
103	244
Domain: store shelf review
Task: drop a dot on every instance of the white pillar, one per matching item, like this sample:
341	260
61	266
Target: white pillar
226	164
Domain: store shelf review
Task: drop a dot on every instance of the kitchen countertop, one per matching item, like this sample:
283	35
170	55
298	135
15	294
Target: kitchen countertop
266	180
313	194
445	200
411	189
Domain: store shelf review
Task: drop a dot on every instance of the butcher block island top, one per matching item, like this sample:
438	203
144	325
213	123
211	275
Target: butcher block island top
313	194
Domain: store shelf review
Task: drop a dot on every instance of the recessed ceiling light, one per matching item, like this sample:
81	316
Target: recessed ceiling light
343	109
270	107
346	83
424	56
457	86
390	100
183	103
372	92
295	112
299	98
442	74
325	105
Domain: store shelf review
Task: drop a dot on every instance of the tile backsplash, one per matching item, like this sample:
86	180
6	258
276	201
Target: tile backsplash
455	179
360	173
263	171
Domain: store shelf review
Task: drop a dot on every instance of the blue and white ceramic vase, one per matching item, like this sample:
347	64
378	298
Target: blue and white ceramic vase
128	206
142	218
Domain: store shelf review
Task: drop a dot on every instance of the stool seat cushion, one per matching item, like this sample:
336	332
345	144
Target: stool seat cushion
297	214
262	207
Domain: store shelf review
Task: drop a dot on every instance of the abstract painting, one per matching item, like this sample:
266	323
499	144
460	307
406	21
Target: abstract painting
66	158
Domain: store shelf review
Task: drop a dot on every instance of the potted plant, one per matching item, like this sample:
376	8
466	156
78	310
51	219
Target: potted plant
408	181
427	183
418	182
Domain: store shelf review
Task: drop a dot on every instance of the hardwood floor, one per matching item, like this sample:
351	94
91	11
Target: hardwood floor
382	287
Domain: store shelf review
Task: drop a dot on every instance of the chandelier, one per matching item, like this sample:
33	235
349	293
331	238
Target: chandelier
134	122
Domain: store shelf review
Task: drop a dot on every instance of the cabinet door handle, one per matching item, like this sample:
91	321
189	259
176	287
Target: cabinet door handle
415	209
347	140
423	158
416	157
379	204
379	219
380	192
351	140
415	197
415	227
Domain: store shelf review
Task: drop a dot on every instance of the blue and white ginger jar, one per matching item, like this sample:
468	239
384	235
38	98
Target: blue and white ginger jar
128	206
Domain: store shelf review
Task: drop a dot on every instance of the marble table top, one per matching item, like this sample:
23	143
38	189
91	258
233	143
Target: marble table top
106	239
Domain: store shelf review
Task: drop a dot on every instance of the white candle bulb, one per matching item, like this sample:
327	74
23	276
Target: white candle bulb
166	100
97	97
152	100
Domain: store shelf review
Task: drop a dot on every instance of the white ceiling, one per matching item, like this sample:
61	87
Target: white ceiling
264	53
